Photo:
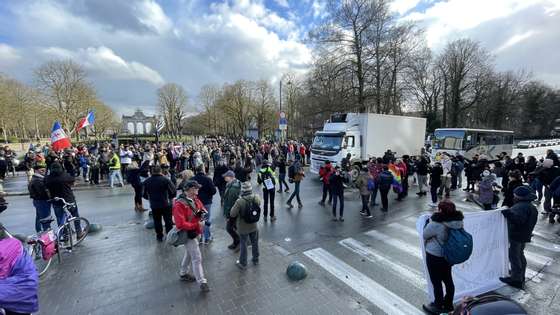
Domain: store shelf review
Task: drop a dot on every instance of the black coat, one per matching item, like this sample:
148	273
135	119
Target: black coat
435	176
160	191
60	185
521	219
508	195
336	183
133	177
219	180
207	191
37	188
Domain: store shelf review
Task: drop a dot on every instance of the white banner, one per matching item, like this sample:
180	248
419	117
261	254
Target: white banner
489	260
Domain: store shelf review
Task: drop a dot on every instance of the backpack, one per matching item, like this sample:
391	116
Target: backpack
291	171
458	247
252	212
371	184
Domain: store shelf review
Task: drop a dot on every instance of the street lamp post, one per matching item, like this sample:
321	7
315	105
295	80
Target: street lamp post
281	130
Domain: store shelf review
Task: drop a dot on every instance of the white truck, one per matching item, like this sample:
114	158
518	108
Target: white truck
365	136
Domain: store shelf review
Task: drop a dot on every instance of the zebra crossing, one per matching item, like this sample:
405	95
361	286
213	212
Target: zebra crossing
384	266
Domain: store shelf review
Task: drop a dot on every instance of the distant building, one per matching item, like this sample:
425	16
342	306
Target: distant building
138	124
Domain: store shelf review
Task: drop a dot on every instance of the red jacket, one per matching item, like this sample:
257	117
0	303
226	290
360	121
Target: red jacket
184	216
325	172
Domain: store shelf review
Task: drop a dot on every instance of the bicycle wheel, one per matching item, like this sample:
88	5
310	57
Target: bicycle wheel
64	237
83	223
41	264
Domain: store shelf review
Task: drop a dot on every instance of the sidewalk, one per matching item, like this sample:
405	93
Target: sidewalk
123	270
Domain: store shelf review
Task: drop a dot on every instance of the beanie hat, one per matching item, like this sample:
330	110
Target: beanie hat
486	173
229	173
524	193
548	163
246	188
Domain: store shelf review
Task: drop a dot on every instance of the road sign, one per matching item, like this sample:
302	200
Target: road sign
282	115
283	123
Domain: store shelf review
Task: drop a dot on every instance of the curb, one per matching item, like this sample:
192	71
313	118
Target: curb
79	188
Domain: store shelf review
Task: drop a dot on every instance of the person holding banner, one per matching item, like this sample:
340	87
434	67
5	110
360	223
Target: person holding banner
435	235
521	219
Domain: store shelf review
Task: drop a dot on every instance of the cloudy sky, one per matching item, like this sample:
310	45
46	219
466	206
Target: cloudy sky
131	47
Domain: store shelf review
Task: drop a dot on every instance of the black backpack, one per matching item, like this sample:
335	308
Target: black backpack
252	212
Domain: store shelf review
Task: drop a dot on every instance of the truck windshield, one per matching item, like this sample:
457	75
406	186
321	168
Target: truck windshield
449	139
326	142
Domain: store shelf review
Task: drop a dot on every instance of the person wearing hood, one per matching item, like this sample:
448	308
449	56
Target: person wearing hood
514	180
247	231
59	184
435	234
521	220
38	192
486	189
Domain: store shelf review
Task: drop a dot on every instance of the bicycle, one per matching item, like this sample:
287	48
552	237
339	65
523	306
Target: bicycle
44	245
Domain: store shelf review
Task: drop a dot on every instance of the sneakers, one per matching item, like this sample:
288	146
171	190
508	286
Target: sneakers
187	278
272	219
341	219
432	308
255	262
240	265
204	287
368	216
265	218
334	219
290	206
300	205
432	204
363	213
287	190
322	203
233	246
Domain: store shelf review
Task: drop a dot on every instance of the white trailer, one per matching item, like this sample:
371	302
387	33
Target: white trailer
364	136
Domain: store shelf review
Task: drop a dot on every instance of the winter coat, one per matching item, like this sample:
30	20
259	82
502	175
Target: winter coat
422	167
521	219
59	184
385	180
325	173
265	173
207	191
508	195
184	214
218	178
435	176
336	184
160	191
37	188
133	177
231	194
240	205
436	231
362	184
486	191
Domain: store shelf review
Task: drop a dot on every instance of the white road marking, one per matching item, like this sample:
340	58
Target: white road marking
545	245
374	256
407	248
384	299
403	228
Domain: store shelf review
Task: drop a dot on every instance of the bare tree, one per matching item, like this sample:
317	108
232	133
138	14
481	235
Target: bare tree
263	108
172	104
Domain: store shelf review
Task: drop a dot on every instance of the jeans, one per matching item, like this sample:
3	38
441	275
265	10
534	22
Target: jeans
61	216
422	182
158	214
434	191
85	173
440	272
282	180
115	174
42	211
295	193
384	197
374	194
206	231
365	204
268	195
326	189
517	261
537	186
192	261
338	197
231	228
254	237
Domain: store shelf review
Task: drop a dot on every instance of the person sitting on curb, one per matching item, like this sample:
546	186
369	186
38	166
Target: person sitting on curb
247	230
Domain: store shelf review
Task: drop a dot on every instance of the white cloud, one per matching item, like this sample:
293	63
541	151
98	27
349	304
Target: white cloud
444	19
282	3
104	60
515	39
8	54
151	15
319	8
403	6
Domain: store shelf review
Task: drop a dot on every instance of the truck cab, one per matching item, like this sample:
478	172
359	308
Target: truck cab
340	136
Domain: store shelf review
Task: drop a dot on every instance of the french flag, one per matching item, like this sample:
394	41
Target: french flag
86	121
59	139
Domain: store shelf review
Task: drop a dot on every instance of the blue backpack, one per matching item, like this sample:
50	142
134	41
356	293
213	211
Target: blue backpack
458	247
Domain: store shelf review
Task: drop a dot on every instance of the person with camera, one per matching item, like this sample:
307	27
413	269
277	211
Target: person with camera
189	214
337	190
247	211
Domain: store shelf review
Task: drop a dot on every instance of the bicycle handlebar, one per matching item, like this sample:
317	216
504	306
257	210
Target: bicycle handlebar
63	201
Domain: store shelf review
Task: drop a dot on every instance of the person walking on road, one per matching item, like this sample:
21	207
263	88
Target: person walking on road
435	234
206	193
364	181
386	180
188	213
115	170
133	177
267	178
160	191
521	219
38	192
282	175
422	169
435	182
337	189
296	175
231	194
247	230
325	173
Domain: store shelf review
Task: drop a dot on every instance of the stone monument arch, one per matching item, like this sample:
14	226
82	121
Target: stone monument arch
138	124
